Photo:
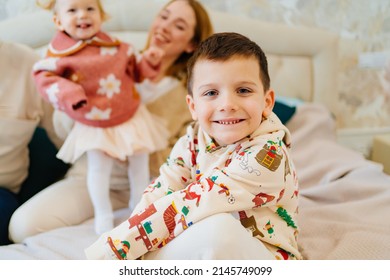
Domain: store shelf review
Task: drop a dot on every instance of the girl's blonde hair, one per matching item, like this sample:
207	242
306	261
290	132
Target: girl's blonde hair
50	6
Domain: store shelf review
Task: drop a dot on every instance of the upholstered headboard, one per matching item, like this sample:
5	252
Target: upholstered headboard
302	61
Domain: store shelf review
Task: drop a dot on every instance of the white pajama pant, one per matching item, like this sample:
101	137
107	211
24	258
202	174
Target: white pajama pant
218	237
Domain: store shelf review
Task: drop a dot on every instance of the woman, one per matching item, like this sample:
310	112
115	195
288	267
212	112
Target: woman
177	29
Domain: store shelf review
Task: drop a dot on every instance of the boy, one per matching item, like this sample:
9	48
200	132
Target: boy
234	159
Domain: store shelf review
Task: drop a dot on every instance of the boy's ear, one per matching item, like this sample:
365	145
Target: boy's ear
191	106
269	99
57	23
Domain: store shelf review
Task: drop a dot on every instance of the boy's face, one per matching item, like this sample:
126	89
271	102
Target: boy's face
228	98
81	19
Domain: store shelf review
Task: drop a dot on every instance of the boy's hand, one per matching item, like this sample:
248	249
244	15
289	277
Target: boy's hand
154	55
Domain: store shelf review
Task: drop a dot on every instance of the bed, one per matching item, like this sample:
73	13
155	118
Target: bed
344	198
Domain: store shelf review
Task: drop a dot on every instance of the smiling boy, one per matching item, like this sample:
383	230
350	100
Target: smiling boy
234	160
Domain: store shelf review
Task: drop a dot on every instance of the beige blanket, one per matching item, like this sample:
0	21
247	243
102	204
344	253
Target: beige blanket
345	199
344	206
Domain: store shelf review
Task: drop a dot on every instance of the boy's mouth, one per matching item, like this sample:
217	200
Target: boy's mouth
229	122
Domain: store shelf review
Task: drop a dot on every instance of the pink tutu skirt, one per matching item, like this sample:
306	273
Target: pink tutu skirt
143	133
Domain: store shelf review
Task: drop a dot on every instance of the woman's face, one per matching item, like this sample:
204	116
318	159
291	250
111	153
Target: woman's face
173	29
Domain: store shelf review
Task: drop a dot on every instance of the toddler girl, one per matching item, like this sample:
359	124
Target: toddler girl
91	77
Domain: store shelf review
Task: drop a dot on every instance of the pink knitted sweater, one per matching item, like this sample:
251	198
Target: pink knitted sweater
101	71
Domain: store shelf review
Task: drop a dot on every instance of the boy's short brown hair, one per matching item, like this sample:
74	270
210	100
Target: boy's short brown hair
225	45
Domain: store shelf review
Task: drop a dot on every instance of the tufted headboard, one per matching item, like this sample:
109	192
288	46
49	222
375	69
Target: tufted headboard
302	60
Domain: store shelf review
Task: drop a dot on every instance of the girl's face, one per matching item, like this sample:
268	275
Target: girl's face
173	29
228	98
80	19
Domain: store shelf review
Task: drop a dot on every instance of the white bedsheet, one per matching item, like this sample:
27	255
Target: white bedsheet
344	206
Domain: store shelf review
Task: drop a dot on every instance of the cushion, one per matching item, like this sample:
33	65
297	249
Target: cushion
45	168
284	111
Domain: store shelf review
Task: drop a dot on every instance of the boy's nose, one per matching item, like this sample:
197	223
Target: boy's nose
228	102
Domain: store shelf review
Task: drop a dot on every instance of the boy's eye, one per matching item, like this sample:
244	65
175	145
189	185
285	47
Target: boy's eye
243	90
71	10
211	93
91	8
